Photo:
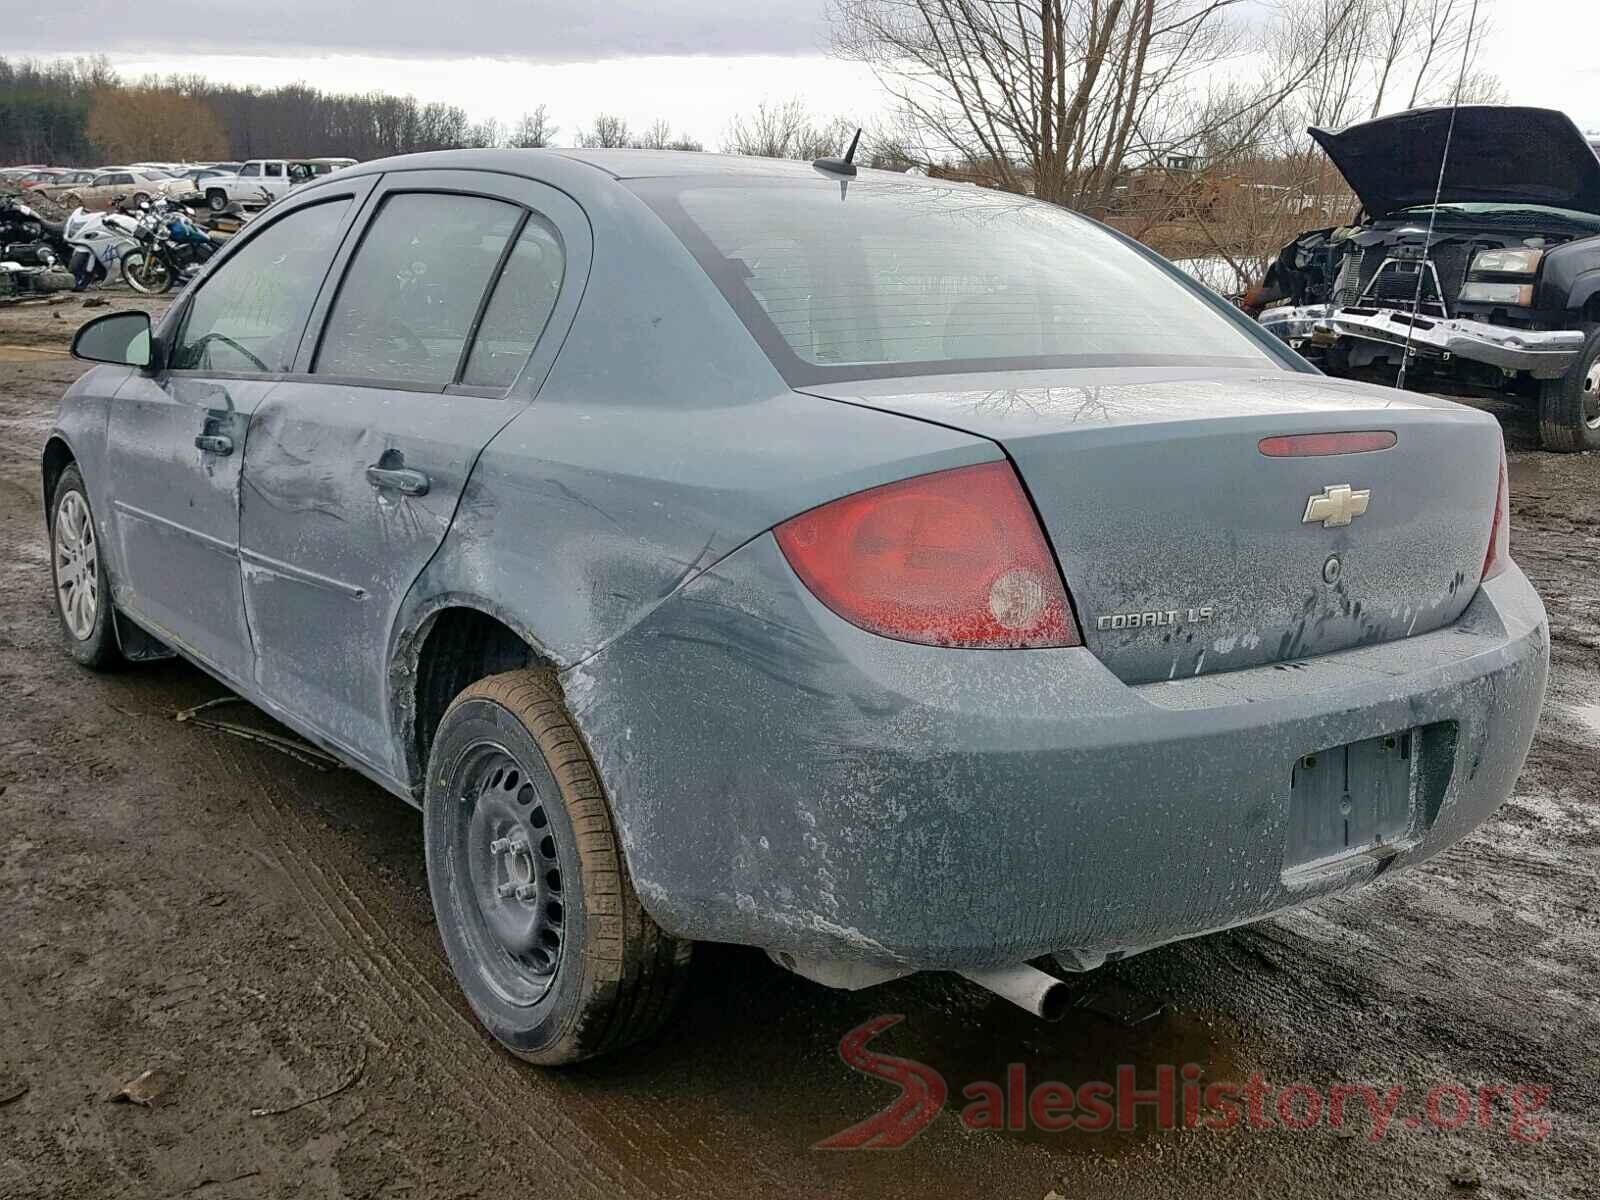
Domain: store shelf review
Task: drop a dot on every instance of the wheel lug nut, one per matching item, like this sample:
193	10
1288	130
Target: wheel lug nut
499	846
506	889
517	845
527	892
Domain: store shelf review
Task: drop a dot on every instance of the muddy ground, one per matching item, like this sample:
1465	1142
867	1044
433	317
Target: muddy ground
177	898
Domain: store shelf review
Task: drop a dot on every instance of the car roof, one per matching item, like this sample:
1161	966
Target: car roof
619	164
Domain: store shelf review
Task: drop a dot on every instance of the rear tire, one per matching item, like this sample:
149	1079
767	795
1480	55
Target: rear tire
539	919
1569	407
78	576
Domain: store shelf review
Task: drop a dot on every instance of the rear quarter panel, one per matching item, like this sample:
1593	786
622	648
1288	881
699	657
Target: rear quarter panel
661	440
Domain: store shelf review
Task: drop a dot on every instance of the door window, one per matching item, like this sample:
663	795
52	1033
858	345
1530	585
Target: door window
518	310
274	170
250	314
409	299
250	169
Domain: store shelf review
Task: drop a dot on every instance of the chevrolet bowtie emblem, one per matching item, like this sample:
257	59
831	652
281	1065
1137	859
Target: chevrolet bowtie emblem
1338	505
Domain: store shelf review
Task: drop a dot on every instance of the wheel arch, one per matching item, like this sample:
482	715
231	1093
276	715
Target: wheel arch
440	647
57	457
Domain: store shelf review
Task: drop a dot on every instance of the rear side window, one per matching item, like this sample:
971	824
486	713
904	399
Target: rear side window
275	170
915	278
519	309
250	314
409	299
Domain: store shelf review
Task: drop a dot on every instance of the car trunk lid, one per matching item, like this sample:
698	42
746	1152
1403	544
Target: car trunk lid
1188	550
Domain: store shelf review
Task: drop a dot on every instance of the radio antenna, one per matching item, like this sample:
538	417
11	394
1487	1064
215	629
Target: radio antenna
1438	194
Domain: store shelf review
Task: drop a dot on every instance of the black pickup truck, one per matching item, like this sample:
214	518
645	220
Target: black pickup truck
1488	283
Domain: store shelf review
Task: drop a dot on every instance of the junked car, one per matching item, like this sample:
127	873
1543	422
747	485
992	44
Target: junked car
891	574
109	185
1484	281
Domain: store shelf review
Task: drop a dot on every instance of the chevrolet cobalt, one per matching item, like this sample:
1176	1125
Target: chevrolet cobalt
891	574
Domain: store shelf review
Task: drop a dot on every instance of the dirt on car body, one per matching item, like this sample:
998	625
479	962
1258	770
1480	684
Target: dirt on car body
255	928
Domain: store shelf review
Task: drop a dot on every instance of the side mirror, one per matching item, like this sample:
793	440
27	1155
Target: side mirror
121	338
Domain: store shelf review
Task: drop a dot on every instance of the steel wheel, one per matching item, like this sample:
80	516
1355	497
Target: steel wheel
505	846
538	916
77	560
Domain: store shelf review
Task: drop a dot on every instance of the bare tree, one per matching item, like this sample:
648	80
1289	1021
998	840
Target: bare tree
1269	181
659	136
153	122
486	134
786	130
1047	96
534	130
609	132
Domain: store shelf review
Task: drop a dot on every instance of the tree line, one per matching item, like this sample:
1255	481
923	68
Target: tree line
80	113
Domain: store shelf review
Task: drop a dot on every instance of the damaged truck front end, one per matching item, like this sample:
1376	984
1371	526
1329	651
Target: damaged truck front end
1485	279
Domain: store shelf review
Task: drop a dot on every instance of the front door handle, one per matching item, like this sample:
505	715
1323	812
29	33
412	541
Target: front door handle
401	479
215	443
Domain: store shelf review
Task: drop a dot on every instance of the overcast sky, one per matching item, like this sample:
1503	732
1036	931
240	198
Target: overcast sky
695	62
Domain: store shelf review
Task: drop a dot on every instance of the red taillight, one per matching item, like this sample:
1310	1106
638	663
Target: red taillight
955	558
1499	555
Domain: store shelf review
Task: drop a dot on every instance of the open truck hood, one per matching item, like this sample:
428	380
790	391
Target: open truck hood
1498	154
1186	549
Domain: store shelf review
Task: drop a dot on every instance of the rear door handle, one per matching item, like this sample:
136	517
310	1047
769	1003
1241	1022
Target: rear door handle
215	443
401	479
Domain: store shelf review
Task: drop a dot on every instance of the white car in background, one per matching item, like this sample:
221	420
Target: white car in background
260	181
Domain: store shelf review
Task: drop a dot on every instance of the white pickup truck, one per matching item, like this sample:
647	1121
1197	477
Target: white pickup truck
260	181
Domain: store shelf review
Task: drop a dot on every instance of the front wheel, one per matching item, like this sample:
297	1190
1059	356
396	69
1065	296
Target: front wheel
216	200
146	272
538	917
83	596
1569	407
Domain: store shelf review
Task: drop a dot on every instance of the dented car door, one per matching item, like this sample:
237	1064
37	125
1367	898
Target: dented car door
355	465
176	437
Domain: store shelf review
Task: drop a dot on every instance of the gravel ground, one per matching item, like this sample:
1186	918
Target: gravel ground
257	930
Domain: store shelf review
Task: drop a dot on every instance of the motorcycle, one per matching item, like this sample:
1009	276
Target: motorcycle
98	241
171	249
31	251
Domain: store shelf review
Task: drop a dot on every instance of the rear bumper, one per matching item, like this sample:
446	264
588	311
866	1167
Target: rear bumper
785	780
1546	354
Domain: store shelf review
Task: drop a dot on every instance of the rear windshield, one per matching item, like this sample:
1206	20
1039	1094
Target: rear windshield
917	278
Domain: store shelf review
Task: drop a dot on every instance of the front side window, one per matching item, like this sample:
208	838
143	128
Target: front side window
250	169
249	315
520	308
915	278
409	298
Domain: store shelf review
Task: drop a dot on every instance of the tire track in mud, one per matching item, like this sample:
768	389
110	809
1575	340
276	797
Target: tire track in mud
358	948
409	992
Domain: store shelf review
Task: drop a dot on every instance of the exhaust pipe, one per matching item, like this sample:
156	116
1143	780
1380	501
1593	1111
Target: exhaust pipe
1045	996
